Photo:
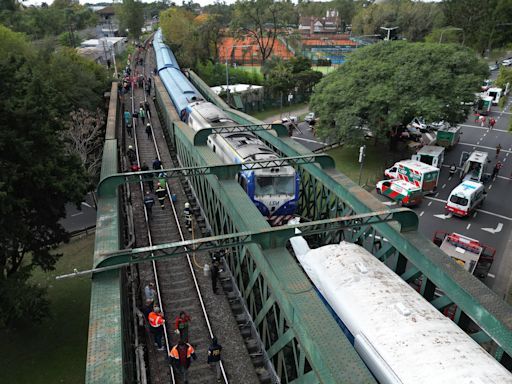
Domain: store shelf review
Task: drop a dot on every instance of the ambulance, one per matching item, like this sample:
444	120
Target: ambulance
401	191
422	175
465	198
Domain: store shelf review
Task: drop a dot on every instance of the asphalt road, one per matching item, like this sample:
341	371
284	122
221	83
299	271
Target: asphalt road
492	224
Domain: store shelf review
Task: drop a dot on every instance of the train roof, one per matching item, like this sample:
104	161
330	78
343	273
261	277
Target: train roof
181	91
413	340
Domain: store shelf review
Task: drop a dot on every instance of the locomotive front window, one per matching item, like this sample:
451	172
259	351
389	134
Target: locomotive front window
285	185
274	185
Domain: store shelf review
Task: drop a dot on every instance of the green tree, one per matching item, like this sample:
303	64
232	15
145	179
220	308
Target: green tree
131	17
387	84
38	176
180	33
414	19
262	20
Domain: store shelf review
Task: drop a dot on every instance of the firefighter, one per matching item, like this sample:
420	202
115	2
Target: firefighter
161	193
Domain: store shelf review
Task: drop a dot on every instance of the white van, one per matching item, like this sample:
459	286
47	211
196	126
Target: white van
495	93
465	198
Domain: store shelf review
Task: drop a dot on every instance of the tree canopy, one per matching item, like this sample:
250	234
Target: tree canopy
387	84
131	17
38	174
263	20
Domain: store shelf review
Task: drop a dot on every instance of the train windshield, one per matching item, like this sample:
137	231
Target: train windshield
272	185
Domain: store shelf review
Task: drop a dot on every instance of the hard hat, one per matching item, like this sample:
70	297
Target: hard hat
187	205
149	125
130	147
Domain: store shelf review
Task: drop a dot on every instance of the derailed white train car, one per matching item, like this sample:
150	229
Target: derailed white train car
398	334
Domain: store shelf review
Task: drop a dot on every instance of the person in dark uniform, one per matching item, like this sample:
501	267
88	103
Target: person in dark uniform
214	352
215	274
161	193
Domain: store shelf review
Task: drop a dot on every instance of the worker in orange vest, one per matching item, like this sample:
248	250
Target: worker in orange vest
180	356
156	325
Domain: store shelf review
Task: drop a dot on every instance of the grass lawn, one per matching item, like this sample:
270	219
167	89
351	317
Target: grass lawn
55	350
262	115
378	158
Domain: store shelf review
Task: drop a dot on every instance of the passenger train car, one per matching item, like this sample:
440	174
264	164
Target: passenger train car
275	191
398	334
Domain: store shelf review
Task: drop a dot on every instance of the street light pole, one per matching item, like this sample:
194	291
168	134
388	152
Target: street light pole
451	29
389	31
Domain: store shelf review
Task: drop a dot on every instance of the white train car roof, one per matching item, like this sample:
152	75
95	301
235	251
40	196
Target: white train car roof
247	145
415	342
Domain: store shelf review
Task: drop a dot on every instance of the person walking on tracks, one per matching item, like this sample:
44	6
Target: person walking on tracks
156	325
181	325
214	352
142	115
149	131
161	193
132	156
149	201
187	212
214	271
180	356
148	178
157	164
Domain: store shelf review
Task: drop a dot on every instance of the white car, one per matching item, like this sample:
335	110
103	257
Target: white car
310	117
507	62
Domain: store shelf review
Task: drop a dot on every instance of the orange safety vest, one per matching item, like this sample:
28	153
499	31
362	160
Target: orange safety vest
155	320
174	352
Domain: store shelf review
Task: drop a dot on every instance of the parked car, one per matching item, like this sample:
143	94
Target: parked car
507	62
410	133
310	117
493	67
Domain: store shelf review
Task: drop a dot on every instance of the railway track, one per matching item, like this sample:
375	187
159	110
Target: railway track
175	279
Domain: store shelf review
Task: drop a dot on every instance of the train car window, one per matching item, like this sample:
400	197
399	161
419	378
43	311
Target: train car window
243	183
214	148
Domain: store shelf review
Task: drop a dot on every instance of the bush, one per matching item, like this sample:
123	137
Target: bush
503	102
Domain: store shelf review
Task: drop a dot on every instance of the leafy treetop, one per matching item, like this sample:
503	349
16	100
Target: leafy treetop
387	84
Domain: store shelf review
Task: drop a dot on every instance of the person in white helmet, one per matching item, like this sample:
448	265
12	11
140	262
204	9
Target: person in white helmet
132	156
188	216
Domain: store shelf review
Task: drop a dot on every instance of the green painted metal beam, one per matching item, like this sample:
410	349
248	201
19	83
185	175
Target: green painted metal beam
227	171
201	136
441	302
411	274
281	342
480	337
308	378
271	237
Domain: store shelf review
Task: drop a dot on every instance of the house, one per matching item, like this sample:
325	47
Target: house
108	25
329	24
100	50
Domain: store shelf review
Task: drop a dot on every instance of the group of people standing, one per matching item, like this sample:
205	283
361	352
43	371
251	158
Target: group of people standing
182	353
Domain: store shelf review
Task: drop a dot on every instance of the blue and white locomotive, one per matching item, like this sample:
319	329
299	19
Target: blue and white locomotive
274	191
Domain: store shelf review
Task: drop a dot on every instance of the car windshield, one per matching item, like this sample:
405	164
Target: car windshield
459	200
272	185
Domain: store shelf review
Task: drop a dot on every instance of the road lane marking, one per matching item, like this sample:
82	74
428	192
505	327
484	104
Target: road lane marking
469	225
479	210
478	127
444	186
422	213
437	194
77	214
490	187
87	205
498	229
491	275
429	203
482	146
474	215
449	178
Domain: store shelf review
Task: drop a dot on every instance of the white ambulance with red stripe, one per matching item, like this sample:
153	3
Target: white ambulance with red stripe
465	198
422	175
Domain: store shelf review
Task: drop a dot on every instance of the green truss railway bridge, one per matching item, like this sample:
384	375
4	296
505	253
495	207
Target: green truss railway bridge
297	334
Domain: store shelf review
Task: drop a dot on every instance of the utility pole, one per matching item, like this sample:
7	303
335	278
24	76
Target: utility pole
362	155
389	31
